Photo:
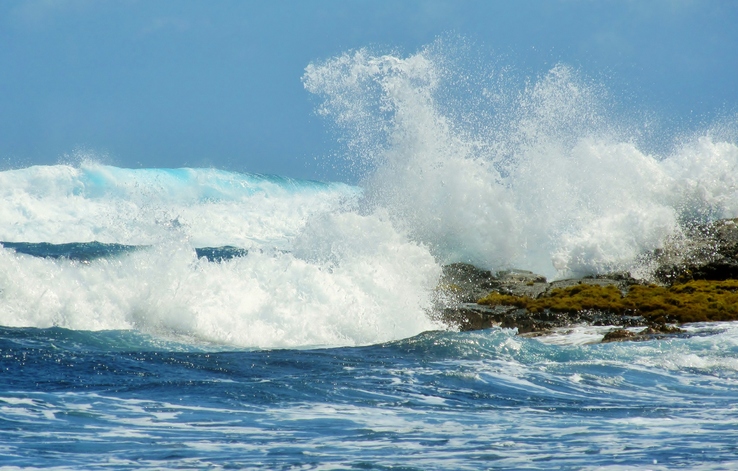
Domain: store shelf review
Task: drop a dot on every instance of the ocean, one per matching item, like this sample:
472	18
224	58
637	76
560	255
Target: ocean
200	318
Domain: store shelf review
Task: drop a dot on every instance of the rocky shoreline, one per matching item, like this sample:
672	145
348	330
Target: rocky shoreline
693	278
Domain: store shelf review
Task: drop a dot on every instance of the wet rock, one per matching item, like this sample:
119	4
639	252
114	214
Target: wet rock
657	329
526	301
462	285
702	252
462	282
651	332
618	335
623	281
472	316
466	283
520	283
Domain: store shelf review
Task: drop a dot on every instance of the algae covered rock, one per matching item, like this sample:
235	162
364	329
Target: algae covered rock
470	298
694	279
694	301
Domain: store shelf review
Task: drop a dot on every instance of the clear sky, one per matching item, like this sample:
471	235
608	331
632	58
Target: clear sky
172	83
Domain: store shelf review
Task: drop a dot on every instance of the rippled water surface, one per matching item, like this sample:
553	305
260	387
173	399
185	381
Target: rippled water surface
81	400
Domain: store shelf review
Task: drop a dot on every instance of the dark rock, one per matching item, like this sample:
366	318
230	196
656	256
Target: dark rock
519	283
652	332
657	329
618	335
462	285
472	316
465	283
702	252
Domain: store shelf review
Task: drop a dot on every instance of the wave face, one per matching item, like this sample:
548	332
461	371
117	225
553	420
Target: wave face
542	177
303	267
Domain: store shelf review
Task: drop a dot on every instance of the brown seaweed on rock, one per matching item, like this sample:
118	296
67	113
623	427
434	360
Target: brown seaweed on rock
694	301
694	278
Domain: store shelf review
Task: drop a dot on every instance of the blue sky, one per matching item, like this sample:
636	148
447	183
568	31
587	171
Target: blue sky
156	83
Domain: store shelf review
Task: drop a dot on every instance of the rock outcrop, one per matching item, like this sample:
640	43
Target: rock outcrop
463	286
695	278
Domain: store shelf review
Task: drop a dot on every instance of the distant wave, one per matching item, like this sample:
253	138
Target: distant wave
92	202
88	251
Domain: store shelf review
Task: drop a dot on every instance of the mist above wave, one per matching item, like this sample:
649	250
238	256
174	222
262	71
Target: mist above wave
538	176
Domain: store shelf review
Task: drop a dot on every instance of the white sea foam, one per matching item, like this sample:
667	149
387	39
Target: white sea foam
317	273
352	280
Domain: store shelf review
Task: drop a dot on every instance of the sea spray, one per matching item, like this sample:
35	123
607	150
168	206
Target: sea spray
546	181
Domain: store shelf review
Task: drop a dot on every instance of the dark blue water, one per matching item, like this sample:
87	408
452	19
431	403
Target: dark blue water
441	400
86	251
